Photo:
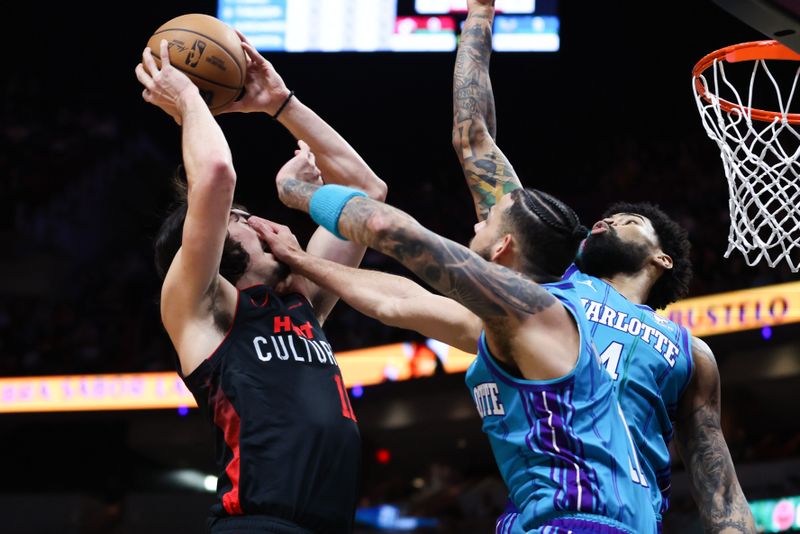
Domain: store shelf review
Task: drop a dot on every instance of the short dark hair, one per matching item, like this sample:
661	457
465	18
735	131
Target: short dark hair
169	238
674	241
548	232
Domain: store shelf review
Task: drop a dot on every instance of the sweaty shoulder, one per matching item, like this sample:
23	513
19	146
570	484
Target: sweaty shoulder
705	378
700	348
704	386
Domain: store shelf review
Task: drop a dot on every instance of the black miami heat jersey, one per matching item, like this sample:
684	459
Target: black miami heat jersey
287	440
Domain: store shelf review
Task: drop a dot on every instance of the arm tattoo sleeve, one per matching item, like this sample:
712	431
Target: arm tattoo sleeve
296	193
473	100
719	497
491	291
489	175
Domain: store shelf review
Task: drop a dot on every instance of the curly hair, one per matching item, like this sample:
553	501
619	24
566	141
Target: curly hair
674	241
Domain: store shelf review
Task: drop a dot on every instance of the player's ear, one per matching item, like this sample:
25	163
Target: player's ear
663	260
502	247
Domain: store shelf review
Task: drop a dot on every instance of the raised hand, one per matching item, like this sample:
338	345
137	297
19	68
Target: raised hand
301	167
479	3
264	89
299	172
163	86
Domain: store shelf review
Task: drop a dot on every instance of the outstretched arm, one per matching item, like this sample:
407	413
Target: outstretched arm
193	288
719	497
392	300
266	92
503	299
489	174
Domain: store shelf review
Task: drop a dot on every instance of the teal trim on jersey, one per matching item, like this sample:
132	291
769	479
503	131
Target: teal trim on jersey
652	372
492	361
561	444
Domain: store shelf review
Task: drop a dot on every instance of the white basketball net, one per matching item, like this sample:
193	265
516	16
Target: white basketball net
760	161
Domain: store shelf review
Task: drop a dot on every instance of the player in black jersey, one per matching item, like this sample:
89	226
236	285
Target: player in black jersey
247	333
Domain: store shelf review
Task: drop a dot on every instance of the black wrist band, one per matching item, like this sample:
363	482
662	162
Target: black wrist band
291	94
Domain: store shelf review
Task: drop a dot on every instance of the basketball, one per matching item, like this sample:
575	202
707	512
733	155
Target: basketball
209	52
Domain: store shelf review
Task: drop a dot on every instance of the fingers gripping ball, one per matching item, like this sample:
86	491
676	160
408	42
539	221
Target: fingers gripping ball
209	52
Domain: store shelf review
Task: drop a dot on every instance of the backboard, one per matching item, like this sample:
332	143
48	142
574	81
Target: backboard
776	19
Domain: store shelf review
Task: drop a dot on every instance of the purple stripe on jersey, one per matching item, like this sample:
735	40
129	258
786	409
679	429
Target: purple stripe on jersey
591	480
573	482
531	422
556	436
499	526
509	522
556	473
591	473
545	437
561	285
561	496
571	270
574	524
664	482
587	491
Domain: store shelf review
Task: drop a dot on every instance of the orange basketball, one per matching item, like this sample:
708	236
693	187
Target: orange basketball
209	52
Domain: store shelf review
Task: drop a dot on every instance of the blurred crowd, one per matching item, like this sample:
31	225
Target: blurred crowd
83	194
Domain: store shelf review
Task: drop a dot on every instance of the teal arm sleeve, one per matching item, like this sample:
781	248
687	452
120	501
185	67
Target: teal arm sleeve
327	204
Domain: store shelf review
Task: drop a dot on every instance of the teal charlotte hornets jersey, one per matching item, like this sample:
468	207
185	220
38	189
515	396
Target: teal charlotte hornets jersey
562	445
649	358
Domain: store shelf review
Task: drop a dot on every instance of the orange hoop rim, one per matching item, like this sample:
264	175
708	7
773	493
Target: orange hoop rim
751	51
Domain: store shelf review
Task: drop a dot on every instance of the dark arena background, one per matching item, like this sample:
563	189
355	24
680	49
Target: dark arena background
85	167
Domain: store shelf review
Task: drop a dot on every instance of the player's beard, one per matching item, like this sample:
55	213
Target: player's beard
235	260
282	271
484	252
605	255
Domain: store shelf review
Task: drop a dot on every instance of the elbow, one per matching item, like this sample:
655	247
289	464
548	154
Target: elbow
457	141
380	227
368	182
378	190
385	312
388	312
467	143
221	175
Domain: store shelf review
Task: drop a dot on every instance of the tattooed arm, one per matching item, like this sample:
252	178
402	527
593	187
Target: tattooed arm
392	300
489	174
716	490
521	318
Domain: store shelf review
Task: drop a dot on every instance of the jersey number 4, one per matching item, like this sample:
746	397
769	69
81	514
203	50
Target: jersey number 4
610	358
